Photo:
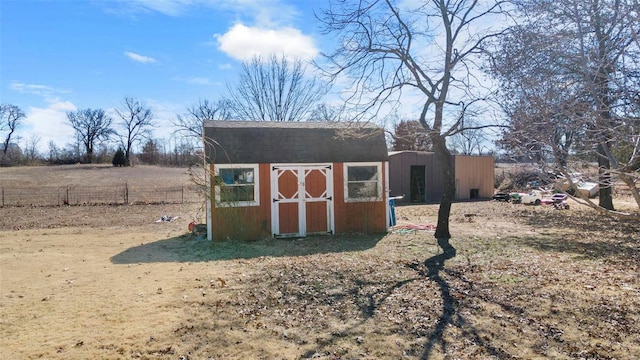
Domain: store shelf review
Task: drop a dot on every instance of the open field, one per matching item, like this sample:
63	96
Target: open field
109	282
92	175
83	184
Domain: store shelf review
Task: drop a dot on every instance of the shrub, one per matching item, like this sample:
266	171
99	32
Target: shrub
119	159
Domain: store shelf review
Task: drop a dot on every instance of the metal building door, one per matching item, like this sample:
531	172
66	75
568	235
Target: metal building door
302	200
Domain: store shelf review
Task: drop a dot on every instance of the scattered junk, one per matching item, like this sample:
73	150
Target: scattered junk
507	197
554	199
167	218
392	209
198	230
559	201
532	197
588	189
535	197
561	206
576	184
502	196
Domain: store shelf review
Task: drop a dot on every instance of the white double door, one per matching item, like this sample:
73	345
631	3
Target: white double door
302	199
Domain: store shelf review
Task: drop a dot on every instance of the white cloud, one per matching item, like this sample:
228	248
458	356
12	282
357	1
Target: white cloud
164	116
47	92
262	13
242	42
139	58
50	123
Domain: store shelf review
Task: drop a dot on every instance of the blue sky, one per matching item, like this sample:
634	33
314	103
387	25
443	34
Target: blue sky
62	55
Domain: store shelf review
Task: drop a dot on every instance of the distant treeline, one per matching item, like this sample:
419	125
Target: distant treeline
154	152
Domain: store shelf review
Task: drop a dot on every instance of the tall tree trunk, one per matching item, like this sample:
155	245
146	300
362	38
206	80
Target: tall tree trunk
448	176
605	196
603	94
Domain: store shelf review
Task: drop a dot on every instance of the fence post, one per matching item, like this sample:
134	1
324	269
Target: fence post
68	200
126	193
3	197
182	195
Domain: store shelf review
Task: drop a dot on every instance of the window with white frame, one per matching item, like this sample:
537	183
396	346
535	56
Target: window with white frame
236	185
362	182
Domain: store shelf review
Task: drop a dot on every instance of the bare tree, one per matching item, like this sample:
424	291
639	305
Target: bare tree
577	95
426	50
31	153
328	112
470	140
274	89
90	126
191	123
544	119
11	117
137	121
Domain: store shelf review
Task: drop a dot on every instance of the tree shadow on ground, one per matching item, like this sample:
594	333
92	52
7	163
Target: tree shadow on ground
188	248
434	269
431	270
435	265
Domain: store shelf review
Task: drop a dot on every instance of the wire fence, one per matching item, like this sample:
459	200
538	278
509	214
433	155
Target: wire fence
99	195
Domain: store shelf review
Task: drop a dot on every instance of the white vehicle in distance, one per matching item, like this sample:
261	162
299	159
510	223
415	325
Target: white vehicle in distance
533	197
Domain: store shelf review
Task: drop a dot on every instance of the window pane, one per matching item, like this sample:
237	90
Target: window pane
236	176
362	182
362	173
236	185
235	193
363	189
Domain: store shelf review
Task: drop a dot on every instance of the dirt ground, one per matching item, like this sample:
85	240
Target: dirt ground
110	282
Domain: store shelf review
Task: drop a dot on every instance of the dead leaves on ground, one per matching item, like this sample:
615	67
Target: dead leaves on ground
559	292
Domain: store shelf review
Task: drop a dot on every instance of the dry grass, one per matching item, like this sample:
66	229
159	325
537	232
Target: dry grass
92	175
527	282
96	184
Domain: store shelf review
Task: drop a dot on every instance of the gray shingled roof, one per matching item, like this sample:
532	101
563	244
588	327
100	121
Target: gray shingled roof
238	142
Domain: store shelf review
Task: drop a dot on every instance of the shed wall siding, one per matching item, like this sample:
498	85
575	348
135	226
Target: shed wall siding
474	172
400	175
254	222
367	217
471	172
397	186
250	222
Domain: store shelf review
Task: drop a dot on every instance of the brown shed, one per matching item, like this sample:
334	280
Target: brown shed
416	175
293	179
